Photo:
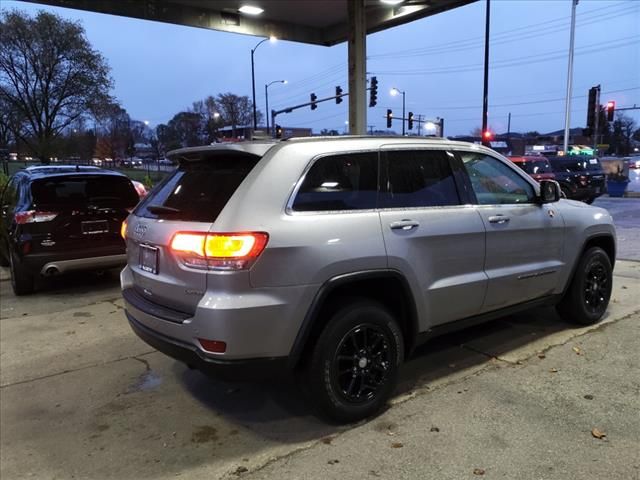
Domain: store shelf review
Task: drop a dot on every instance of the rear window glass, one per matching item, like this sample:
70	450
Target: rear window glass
84	190
420	178
340	182
535	166
198	190
576	164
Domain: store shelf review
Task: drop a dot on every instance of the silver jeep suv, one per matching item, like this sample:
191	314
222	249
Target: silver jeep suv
335	257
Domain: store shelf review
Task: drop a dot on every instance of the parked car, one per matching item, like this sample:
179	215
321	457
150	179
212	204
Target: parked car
580	178
131	162
537	167
336	257
56	219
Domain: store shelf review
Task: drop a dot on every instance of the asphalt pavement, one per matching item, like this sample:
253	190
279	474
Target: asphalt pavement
522	397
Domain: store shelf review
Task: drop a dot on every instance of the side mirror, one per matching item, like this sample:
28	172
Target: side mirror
549	191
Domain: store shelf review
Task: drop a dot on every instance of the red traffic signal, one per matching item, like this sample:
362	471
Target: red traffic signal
487	135
611	108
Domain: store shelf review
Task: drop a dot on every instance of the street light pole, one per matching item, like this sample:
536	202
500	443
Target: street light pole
253	81
266	97
485	94
567	113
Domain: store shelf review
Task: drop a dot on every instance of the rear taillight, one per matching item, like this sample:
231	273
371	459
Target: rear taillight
123	230
34	216
219	251
583	180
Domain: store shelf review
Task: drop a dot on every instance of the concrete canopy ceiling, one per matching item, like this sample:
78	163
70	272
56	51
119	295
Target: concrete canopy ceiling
319	22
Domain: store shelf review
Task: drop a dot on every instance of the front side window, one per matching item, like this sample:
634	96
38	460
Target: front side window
418	178
340	182
494	182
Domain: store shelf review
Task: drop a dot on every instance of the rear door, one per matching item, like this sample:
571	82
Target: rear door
188	200
430	234
524	240
85	211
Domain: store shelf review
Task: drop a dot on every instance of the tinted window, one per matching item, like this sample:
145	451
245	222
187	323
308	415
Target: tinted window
198	190
535	166
340	182
419	178
495	182
575	164
83	190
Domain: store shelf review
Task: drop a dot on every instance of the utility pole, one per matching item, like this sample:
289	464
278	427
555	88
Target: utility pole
485	96
596	127
509	126
567	113
419	125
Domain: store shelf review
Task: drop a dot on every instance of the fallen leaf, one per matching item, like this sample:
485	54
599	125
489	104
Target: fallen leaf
577	350
624	287
478	471
597	433
333	462
327	440
542	355
435	429
397	445
588	397
553	370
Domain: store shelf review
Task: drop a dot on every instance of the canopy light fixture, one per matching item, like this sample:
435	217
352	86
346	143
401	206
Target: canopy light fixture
392	2
250	10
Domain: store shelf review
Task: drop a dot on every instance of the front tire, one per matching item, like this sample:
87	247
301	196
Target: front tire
353	368
22	280
587	297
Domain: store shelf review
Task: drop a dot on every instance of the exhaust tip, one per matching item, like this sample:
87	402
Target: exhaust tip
51	271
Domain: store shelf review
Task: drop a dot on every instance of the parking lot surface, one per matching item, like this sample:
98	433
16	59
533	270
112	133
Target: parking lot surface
82	397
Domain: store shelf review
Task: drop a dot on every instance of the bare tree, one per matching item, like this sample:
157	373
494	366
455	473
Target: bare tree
49	76
236	110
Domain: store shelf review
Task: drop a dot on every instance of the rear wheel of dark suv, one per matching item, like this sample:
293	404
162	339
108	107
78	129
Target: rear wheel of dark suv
22	280
354	364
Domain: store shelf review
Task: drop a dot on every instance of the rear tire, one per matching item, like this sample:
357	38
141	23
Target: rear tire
4	260
353	368
587	297
22	280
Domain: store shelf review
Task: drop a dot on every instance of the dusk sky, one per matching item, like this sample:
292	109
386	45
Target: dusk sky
160	69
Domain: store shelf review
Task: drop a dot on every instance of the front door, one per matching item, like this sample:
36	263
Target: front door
524	239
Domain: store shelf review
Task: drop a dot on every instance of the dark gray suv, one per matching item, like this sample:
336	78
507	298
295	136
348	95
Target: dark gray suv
335	257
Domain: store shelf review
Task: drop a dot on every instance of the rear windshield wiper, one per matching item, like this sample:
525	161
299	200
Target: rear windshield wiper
160	209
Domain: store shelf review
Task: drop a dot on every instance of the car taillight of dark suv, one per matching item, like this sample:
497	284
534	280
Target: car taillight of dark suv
580	178
57	219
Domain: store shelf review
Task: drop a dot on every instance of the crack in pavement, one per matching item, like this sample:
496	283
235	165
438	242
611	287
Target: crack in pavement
108	362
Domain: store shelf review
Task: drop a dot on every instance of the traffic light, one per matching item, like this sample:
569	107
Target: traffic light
487	135
313	100
389	117
338	94
278	131
611	110
594	99
373	93
410	121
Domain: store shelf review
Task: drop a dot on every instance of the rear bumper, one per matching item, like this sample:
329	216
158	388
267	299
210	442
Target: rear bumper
247	369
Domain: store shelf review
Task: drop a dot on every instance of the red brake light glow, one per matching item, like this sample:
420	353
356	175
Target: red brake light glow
219	251
34	216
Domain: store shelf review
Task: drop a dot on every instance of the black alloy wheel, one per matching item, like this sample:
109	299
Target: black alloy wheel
352	368
587	297
361	363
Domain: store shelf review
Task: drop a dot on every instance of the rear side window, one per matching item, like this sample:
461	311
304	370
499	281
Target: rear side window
83	190
418	178
199	188
340	182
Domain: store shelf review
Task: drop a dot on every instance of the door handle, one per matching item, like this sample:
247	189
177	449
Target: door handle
500	219
405	224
